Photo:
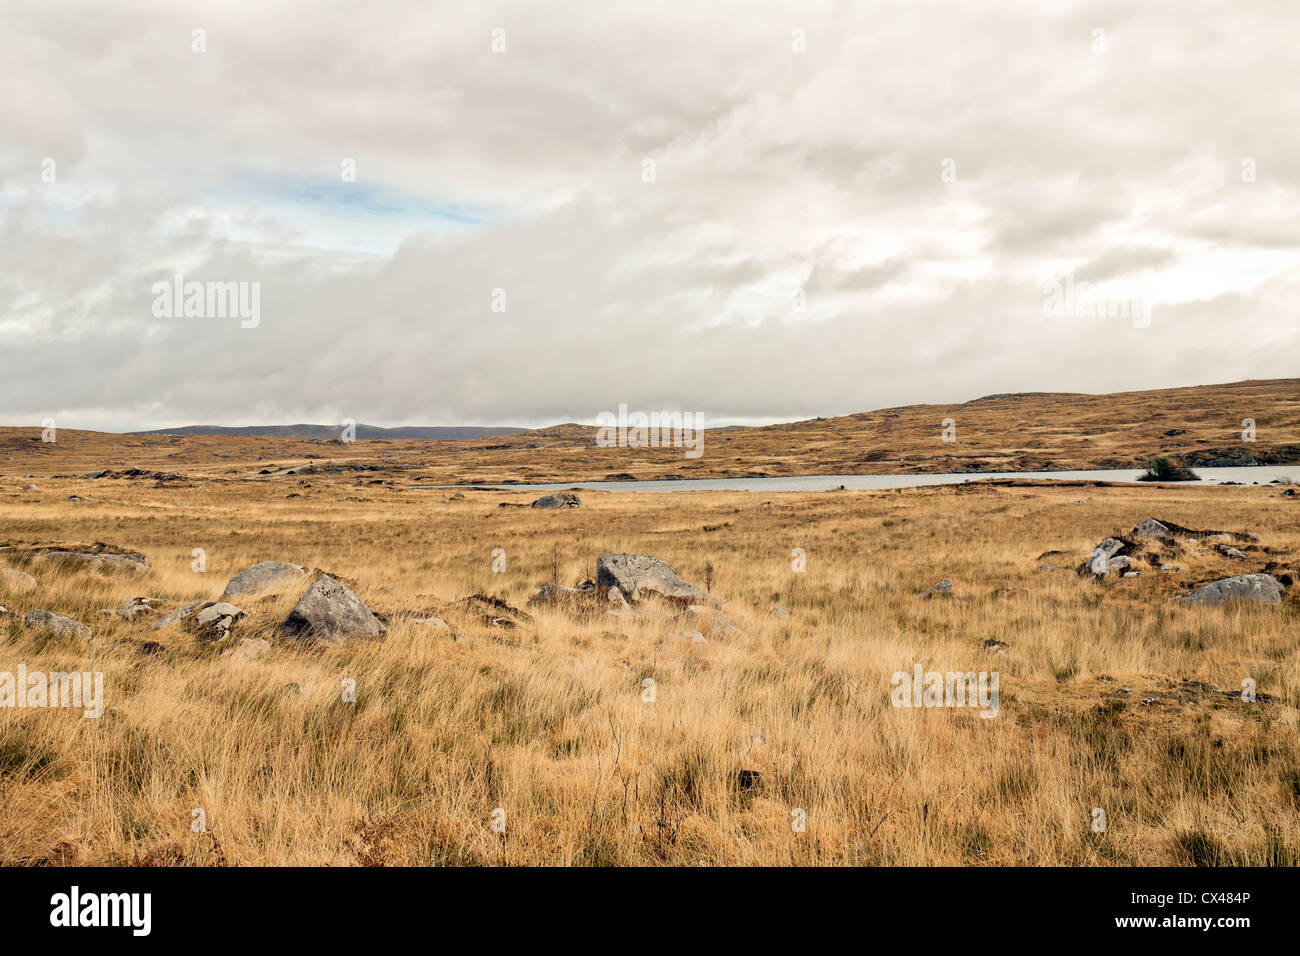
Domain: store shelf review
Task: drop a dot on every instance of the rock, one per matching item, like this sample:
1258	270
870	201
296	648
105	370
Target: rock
250	647
133	608
559	595
329	613
615	597
564	499
268	577
635	574
943	587
52	623
215	620
1110	547
1106	558
1150	527
433	622
995	646
780	611
3	610
1230	552
689	636
124	560
1131	574
1254	588
178	615
13	580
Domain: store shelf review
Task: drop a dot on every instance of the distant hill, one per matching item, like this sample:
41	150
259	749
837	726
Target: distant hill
435	432
1238	423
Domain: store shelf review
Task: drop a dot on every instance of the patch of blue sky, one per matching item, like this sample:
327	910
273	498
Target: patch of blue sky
333	214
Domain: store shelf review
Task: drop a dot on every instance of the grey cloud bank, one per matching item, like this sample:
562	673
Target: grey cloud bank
869	222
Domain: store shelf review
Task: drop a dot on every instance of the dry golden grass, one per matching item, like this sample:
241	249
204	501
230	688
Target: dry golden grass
547	722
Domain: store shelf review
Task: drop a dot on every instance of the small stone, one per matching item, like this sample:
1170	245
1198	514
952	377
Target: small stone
943	587
52	623
780	611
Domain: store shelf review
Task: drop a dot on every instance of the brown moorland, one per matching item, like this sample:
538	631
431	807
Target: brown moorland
1114	695
1021	432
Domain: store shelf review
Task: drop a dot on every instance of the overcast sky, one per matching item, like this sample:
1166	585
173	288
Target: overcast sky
849	206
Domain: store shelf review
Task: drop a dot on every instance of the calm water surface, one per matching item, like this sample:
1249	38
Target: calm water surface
1259	474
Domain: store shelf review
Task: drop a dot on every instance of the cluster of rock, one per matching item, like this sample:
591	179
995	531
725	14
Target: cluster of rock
641	587
327	612
1119	555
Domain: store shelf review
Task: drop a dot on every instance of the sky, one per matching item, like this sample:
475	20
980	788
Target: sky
523	214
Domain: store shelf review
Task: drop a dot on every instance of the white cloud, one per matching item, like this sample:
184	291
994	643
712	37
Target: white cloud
776	173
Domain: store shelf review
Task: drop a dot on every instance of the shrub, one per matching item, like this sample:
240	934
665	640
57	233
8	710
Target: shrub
1162	469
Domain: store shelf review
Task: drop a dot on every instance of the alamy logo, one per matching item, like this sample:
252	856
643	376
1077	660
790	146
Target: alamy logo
74	908
952	689
1087	300
653	430
84	690
208	300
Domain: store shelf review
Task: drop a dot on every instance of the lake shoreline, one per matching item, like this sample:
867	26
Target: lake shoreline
1245	475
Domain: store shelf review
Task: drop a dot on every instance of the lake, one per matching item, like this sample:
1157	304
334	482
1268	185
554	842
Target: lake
1259	474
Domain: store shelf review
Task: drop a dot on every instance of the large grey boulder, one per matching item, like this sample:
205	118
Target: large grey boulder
13	580
52	623
636	574
564	499
1150	527
329	613
269	577
1255	588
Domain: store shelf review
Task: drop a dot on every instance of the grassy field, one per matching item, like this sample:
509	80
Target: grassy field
1106	696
